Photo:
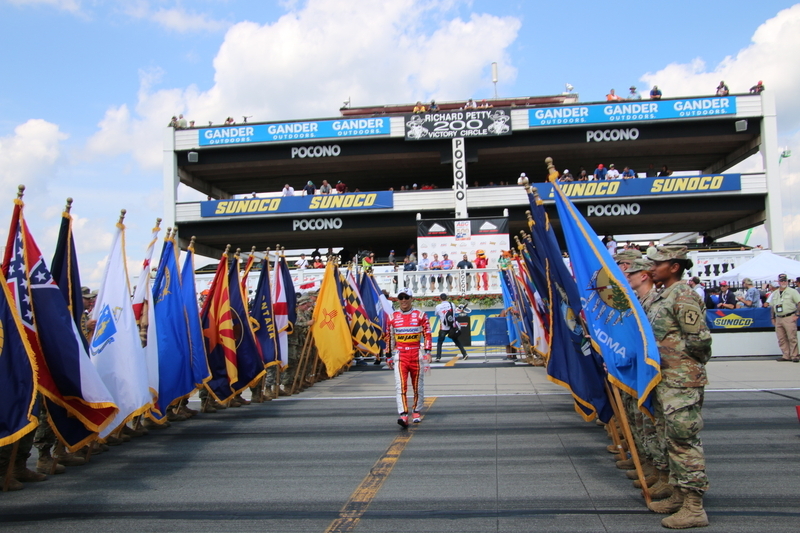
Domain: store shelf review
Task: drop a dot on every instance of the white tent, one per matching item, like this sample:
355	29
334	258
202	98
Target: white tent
764	267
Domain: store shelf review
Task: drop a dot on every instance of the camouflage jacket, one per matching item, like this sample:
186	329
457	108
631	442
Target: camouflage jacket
684	341
647	299
300	329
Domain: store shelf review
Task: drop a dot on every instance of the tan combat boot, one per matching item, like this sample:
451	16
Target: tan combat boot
661	489
13	484
670	505
647	468
207	406
21	473
65	458
691	514
45	464
627	464
256	397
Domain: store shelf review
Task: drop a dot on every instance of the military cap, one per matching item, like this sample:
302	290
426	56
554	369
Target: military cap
627	255
666	253
783	277
88	293
305	298
637	265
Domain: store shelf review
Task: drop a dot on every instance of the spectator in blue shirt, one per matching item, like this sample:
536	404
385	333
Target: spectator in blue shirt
600	172
628	173
655	93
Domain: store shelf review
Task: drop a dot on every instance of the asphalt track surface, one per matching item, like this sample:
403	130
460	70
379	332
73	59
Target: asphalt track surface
500	449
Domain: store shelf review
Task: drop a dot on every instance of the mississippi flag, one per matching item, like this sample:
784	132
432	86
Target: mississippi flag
65	374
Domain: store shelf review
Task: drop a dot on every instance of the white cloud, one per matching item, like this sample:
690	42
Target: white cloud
29	155
770	57
66	5
177	19
316	56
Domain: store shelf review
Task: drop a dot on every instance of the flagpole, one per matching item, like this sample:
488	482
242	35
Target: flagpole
279	252
632	446
303	361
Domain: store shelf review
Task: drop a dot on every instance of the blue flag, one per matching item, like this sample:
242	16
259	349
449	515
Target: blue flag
370	299
175	380
200	371
17	376
617	322
261	313
249	361
572	363
510	305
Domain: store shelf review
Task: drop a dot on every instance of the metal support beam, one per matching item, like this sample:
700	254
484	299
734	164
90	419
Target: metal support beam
747	222
735	157
202	186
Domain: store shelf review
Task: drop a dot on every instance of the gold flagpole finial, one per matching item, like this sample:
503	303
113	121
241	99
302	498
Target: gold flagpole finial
191	241
158	222
122	213
238	252
252	250
68	207
169	230
552	173
20	191
174	231
227	249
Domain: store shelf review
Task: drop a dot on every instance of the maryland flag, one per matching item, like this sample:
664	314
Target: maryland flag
65	375
17	374
366	337
330	329
217	320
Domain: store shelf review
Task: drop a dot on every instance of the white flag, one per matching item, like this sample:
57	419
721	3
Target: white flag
116	349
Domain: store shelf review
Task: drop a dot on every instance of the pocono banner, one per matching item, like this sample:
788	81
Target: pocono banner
488	122
297	204
456	237
291	131
632	111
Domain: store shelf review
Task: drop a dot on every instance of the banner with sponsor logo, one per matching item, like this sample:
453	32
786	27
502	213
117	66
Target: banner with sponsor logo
297	204
487	122
291	131
644	186
632	111
739	319
456	237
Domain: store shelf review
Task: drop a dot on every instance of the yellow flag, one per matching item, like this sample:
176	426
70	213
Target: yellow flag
330	329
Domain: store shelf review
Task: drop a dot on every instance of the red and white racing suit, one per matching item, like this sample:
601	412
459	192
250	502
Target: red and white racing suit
409	331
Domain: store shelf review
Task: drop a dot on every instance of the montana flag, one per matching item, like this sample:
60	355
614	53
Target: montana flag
65	374
330	329
364	334
200	371
217	321
17	374
617	322
262	315
175	380
116	348
284	307
572	363
249	363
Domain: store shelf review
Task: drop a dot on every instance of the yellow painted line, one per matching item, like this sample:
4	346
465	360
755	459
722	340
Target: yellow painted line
452	362
362	497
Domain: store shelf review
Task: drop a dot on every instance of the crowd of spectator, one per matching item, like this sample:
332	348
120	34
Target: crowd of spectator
655	92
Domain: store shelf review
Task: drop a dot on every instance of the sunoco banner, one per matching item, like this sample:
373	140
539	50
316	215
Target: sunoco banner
644	186
739	319
297	204
290	131
632	111
489	122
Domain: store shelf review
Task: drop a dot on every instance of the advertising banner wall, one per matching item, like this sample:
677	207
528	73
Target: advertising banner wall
644	186
632	111
487	122
739	319
291	131
297	204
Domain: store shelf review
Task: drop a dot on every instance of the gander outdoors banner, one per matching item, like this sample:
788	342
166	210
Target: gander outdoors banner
456	237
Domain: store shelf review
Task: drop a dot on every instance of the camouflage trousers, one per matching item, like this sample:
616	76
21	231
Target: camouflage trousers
44	438
23	452
644	433
678	423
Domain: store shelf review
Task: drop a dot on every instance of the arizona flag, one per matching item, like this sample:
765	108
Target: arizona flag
65	375
116	348
217	321
17	374
618	324
330	329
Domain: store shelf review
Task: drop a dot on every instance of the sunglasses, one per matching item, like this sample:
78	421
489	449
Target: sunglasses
403	297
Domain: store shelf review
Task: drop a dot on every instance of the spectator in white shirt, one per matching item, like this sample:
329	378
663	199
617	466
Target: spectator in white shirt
612	173
301	263
288	190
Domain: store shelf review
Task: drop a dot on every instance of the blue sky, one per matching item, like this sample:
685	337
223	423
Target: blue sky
88	86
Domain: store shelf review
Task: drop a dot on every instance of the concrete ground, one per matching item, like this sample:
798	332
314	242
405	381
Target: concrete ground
500	449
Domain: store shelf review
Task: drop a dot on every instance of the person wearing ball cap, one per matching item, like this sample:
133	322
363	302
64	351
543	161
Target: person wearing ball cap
784	306
410	343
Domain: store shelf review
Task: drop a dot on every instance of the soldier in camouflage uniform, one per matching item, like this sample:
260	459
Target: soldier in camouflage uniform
684	343
297	339
656	466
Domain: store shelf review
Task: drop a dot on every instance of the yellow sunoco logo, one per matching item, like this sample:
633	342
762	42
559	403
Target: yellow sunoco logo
256	205
733	321
342	200
266	205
